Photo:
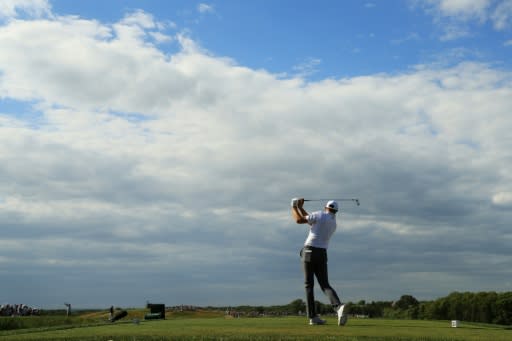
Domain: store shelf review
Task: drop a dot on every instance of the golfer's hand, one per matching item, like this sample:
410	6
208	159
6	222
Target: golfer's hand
300	202
295	202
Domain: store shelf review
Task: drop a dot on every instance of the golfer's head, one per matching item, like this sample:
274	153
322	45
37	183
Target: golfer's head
332	206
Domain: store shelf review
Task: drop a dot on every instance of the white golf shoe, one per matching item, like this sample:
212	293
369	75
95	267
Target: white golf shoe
316	321
342	316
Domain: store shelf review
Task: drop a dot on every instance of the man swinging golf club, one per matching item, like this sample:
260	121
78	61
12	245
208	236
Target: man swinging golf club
314	256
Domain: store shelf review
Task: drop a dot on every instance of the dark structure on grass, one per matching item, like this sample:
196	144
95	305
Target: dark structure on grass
119	315
156	311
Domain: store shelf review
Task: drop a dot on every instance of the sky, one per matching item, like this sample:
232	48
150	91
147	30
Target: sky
149	150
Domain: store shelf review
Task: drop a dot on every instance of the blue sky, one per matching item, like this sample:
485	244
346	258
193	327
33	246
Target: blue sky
335	39
149	150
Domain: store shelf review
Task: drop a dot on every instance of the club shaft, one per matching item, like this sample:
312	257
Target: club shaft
340	199
356	200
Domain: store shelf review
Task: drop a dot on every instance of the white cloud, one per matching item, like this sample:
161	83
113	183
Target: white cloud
100	58
502	15
463	9
34	8
502	199
160	37
205	8
139	18
308	67
454	31
455	16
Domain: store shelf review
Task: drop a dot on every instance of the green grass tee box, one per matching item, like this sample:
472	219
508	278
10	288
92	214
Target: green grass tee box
267	328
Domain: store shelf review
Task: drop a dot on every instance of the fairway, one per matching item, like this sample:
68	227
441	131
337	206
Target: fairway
284	328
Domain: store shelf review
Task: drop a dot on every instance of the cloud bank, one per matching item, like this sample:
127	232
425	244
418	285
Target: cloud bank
137	174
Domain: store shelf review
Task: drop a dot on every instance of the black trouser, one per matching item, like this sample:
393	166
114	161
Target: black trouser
314	261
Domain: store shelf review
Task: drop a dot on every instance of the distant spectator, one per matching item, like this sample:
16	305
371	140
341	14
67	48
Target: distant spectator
68	309
17	310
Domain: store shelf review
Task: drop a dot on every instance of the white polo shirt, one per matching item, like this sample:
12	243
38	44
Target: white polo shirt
323	225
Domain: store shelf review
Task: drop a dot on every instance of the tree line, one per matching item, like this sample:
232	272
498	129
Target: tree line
486	307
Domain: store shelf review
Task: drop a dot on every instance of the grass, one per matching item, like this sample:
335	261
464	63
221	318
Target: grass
215	327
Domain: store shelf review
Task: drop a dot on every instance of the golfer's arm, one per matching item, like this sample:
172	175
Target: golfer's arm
299	215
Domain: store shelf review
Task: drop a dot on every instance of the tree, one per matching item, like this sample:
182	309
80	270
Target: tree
297	306
504	309
406	302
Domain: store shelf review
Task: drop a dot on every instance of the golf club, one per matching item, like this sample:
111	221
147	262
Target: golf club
339	199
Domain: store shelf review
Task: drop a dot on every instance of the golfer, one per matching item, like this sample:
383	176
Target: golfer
314	256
